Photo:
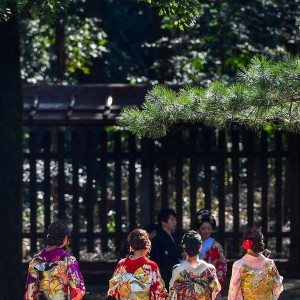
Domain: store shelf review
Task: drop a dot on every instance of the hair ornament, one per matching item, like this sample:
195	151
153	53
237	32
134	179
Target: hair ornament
205	212
211	219
199	217
183	246
247	244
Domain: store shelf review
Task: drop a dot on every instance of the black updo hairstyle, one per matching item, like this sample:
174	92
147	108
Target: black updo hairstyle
191	242
255	235
204	215
57	231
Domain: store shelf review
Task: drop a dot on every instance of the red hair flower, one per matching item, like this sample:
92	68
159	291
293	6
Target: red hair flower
247	244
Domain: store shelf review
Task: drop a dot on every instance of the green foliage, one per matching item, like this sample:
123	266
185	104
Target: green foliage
84	40
180	12
84	43
223	38
31	8
267	92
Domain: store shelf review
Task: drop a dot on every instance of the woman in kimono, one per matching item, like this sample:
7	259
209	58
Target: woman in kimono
193	278
136	276
254	276
54	273
212	251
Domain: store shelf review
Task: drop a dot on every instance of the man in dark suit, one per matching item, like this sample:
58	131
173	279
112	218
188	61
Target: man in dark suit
164	249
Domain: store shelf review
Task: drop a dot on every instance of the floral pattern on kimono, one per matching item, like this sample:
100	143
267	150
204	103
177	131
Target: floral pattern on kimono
215	255
194	282
138	278
250	283
54	274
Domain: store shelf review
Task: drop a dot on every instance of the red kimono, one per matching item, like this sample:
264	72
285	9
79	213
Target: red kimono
215	255
140	277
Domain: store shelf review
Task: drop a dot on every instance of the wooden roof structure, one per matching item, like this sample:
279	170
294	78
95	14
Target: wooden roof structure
79	104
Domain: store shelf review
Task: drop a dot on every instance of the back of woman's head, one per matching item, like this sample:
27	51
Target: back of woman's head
138	240
254	235
191	242
57	231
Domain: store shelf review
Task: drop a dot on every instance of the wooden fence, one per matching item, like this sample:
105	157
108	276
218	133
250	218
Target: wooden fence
106	182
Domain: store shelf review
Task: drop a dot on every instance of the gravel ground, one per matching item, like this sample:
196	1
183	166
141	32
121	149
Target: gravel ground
291	291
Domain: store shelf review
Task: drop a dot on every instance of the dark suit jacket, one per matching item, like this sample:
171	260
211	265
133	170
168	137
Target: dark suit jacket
165	252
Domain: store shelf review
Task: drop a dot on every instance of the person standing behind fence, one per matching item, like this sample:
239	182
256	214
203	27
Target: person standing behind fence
212	251
165	250
136	276
254	276
53	273
194	278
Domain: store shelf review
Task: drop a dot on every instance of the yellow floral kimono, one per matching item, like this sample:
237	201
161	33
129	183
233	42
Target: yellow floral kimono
255	278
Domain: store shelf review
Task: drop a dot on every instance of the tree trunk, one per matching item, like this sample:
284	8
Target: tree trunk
11	112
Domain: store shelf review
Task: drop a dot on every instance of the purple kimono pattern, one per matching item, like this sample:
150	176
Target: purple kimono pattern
54	274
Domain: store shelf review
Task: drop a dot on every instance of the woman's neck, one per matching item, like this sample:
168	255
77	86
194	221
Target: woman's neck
53	247
139	253
252	253
193	260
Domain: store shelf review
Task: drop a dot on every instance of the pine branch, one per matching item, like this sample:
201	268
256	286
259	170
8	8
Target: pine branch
267	92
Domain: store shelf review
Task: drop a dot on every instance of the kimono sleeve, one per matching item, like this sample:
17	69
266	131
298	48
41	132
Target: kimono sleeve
234	292
216	256
114	280
75	279
175	272
31	286
277	282
157	289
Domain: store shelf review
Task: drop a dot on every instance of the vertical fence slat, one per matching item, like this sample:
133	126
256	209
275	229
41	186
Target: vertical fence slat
151	174
278	189
47	177
131	181
33	191
207	171
117	190
103	191
61	175
89	195
293	194
75	192
165	171
264	183
235	189
193	174
250	176
146	181
178	181
221	185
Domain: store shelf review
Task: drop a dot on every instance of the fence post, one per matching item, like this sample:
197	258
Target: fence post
293	180
145	190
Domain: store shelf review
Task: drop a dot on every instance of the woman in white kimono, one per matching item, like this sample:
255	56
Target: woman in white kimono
193	278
